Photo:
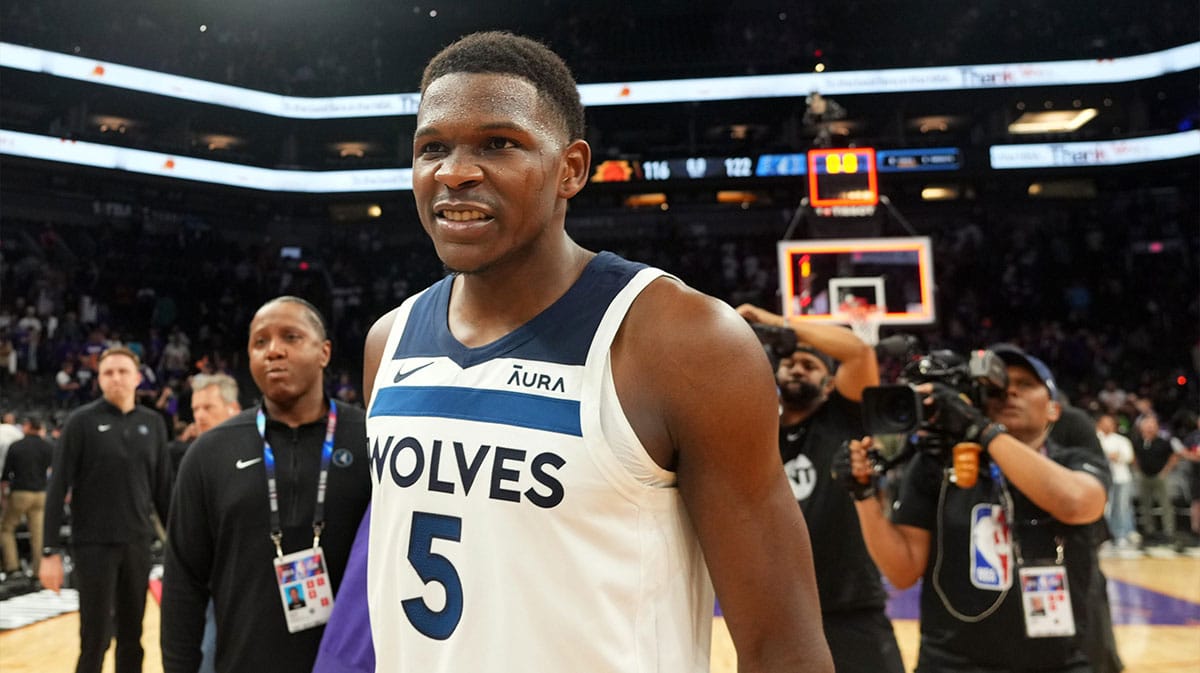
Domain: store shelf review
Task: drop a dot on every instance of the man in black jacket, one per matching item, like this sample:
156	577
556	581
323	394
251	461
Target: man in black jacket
113	460
220	537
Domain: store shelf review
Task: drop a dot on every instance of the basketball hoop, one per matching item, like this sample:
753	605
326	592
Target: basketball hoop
863	318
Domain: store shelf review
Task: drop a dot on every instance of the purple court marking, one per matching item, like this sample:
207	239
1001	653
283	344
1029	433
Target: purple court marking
1130	605
903	603
1136	605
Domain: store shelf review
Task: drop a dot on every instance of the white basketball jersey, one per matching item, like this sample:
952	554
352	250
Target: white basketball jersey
518	525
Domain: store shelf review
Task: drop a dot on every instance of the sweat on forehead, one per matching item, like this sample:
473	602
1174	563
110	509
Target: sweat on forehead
310	312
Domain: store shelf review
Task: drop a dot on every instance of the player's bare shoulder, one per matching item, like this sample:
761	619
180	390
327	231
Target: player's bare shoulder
672	324
683	360
377	338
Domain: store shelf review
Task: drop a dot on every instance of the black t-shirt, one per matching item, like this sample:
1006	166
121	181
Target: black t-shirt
847	578
1151	456
968	559
26	463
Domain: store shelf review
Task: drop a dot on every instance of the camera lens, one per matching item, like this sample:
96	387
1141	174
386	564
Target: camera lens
899	410
891	409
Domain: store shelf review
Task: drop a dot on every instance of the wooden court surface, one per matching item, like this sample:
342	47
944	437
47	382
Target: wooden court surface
52	646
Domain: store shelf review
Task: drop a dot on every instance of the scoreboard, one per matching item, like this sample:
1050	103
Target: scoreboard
839	171
692	168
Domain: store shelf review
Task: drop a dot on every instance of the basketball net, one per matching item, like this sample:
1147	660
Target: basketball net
864	320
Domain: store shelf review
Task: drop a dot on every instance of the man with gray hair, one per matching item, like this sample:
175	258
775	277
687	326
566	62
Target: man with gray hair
214	399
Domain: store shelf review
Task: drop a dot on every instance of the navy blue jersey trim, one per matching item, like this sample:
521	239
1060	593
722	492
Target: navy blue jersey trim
562	333
475	404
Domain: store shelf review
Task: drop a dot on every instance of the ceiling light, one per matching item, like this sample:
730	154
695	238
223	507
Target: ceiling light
219	141
1057	121
1063	189
113	123
658	199
939	193
736	196
352	149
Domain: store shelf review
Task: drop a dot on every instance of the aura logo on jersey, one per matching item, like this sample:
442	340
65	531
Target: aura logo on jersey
527	379
407	461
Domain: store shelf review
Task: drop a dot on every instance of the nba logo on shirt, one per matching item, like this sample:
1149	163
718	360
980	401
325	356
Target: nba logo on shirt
991	548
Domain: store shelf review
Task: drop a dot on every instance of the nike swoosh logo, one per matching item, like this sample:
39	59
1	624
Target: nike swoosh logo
400	376
792	438
104	428
243	464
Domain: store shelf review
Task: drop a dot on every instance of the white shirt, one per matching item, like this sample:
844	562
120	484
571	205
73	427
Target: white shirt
1119	450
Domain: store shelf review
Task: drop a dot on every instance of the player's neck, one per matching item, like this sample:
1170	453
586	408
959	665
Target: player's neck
307	408
488	305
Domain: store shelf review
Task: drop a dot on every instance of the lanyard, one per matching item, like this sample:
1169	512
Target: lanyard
272	491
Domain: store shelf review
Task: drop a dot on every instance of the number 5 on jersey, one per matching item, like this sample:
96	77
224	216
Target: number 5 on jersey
433	567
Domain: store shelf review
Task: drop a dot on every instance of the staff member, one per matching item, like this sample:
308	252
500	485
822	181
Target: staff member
247	494
114	462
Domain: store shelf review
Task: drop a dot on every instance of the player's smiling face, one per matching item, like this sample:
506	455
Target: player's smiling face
489	175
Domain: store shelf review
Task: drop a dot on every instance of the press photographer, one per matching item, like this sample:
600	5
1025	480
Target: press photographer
1008	561
820	410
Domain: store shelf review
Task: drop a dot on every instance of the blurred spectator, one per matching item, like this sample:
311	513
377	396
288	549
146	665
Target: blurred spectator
69	390
1155	460
1119	509
24	477
1112	397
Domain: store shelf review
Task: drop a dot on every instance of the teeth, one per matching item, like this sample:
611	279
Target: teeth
463	215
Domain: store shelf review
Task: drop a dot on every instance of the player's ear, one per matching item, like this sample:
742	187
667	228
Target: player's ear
573	175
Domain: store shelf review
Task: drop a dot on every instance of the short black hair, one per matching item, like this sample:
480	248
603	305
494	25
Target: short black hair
504	53
314	316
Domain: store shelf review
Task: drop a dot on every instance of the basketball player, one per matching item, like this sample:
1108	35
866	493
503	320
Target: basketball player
984	552
565	445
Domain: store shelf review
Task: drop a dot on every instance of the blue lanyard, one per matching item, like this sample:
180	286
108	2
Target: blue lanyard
272	490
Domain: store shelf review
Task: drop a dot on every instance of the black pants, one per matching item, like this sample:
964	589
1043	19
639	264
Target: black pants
862	641
112	581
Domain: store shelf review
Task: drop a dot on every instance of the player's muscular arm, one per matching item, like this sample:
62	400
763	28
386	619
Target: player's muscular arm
373	352
699	392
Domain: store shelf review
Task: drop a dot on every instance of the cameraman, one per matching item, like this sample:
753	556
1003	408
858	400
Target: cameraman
819	411
987	553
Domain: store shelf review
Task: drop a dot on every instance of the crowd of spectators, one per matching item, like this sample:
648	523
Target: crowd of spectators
1073	286
324	50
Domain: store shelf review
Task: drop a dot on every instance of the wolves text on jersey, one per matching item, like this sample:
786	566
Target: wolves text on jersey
406	461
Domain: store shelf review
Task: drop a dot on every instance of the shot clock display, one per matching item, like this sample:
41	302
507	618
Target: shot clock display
836	176
842	177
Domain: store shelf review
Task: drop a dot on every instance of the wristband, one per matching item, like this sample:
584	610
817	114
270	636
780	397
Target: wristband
989	433
864	491
51	551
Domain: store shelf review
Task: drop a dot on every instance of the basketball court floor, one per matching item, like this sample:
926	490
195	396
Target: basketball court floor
1155	603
